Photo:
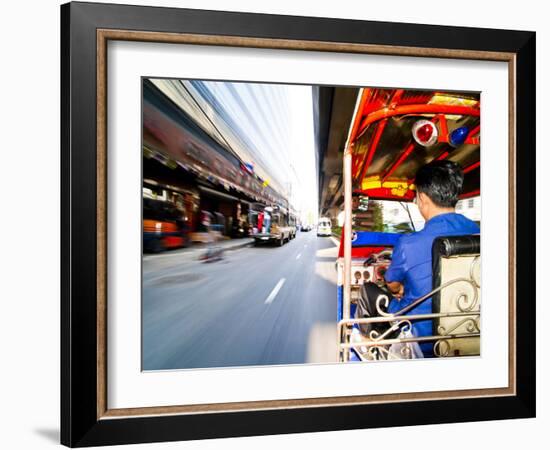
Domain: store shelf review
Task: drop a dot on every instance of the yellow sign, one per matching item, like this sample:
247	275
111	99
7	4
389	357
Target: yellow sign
398	188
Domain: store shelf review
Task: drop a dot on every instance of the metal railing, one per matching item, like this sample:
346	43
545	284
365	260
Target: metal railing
377	345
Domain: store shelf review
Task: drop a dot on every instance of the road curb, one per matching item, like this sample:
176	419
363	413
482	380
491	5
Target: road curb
196	251
237	246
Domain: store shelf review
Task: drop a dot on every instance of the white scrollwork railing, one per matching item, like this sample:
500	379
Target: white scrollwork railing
468	306
472	326
376	345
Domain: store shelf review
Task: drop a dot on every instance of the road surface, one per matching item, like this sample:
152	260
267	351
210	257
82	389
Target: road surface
261	305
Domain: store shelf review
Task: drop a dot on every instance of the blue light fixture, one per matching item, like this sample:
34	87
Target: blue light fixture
458	136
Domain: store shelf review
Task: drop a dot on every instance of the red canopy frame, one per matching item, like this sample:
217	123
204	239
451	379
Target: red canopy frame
369	112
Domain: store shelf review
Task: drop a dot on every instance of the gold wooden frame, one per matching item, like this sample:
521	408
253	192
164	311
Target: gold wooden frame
103	36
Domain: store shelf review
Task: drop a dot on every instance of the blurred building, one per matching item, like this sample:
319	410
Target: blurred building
397	214
471	208
216	147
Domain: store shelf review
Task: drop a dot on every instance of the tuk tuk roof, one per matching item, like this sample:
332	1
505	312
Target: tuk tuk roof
385	156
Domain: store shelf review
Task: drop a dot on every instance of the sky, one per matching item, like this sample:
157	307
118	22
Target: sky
305	193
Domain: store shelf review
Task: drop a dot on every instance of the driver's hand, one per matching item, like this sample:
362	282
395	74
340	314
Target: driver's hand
399	294
396	288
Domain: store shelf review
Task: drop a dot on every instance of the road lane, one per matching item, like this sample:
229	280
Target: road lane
198	315
275	291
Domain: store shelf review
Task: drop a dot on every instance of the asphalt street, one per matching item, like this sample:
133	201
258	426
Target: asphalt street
261	305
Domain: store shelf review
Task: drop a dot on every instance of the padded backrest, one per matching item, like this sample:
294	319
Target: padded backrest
456	260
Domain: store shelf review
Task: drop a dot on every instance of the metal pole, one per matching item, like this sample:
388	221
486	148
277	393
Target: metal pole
347	237
357	113
413	339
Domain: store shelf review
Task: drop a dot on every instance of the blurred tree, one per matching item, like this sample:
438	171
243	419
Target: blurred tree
378	216
404	227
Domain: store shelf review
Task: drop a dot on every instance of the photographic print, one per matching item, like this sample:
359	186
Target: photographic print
244	212
243	241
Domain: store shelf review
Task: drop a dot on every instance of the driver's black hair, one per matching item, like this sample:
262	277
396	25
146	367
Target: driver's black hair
441	181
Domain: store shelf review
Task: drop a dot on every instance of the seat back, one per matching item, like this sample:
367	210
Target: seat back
456	266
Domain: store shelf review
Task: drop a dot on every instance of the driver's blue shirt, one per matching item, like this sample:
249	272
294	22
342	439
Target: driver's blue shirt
412	266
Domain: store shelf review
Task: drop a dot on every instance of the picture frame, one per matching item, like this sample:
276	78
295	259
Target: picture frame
86	28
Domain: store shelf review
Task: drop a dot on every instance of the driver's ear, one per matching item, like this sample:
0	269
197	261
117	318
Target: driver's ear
421	198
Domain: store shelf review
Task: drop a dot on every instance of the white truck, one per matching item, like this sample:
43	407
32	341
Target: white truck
324	227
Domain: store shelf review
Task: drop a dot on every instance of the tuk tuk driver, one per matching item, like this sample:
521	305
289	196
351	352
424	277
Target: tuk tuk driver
409	276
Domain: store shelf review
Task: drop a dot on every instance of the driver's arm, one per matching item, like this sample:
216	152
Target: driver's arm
395	275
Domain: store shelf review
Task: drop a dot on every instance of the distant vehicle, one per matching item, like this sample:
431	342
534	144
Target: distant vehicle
306	227
271	224
324	228
293	225
164	226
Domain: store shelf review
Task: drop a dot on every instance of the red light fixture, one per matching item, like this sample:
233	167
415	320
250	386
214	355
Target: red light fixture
425	133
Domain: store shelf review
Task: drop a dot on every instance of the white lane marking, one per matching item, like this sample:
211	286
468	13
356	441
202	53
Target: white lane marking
298	255
275	291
